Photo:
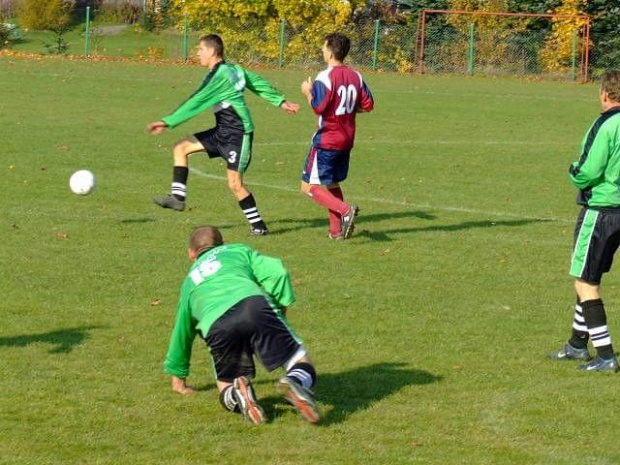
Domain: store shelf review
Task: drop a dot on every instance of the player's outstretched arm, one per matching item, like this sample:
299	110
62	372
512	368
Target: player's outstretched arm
290	107
156	128
179	385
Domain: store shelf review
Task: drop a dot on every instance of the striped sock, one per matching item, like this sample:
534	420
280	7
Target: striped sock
250	210
179	182
302	373
596	321
580	336
228	401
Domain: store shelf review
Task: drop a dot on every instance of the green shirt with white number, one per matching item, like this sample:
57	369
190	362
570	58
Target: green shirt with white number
217	280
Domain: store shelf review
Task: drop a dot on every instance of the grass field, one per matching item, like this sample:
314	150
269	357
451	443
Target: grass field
429	328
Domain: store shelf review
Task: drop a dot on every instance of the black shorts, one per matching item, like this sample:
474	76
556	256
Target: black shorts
250	327
235	148
597	237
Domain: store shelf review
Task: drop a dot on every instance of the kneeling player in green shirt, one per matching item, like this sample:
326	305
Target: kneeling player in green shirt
235	299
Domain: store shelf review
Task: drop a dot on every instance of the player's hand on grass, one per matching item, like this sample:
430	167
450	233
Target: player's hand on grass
156	128
290	107
179	385
306	86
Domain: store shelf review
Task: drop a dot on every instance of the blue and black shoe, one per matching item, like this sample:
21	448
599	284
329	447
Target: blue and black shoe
568	352
609	365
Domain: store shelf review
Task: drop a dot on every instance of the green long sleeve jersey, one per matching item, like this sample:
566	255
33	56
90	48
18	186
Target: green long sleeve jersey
217	280
222	90
597	172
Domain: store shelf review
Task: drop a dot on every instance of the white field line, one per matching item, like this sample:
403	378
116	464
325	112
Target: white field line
540	143
397	202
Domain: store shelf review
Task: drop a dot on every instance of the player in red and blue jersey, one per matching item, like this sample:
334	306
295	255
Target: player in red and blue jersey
336	96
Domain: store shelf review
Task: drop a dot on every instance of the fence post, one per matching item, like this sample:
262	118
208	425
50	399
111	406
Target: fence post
471	53
185	28
87	33
375	46
574	57
281	53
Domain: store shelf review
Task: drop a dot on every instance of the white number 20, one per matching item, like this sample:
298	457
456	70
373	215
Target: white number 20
348	99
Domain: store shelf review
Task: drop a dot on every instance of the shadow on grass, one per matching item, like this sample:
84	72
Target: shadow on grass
62	340
137	220
383	236
323	222
353	391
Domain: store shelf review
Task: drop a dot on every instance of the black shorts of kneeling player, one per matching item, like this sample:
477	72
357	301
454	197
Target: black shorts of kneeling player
251	327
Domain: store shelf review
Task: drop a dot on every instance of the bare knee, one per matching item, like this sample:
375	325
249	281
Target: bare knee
235	185
181	151
305	188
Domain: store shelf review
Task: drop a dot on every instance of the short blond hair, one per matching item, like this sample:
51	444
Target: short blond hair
610	83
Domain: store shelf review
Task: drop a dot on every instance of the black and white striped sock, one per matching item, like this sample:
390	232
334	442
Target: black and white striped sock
303	373
579	338
228	401
596	321
179	182
250	210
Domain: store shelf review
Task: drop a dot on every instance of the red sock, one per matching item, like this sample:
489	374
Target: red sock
328	200
334	217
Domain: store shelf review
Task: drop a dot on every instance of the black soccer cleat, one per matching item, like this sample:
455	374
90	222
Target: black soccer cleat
170	201
347	221
244	394
300	398
568	352
609	365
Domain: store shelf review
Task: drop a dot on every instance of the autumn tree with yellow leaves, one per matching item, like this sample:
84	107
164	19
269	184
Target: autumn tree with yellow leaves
557	53
253	27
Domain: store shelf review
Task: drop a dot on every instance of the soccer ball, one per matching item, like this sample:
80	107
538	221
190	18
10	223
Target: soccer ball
82	182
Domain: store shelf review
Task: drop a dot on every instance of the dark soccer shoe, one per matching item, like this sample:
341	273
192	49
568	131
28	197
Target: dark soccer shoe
300	398
244	394
568	352
170	201
347	221
601	364
259	231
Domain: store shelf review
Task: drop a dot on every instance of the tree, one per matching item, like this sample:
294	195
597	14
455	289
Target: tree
556	55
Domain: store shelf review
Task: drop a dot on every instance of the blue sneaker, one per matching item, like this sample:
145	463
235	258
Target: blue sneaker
601	364
568	352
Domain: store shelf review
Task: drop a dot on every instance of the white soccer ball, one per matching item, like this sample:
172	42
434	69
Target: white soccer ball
82	182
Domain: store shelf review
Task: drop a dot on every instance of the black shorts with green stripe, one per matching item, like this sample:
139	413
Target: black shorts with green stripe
251	327
234	147
597	237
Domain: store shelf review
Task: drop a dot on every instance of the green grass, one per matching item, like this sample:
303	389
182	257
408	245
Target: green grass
428	328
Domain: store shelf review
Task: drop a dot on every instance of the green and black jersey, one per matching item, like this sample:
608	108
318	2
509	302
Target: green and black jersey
222	90
217	280
597	172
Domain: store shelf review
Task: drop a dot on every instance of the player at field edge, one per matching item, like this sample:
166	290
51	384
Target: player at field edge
236	299
597	233
336	96
231	138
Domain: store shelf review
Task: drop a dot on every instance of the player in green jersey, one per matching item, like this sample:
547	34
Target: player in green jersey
231	138
235	299
597	234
